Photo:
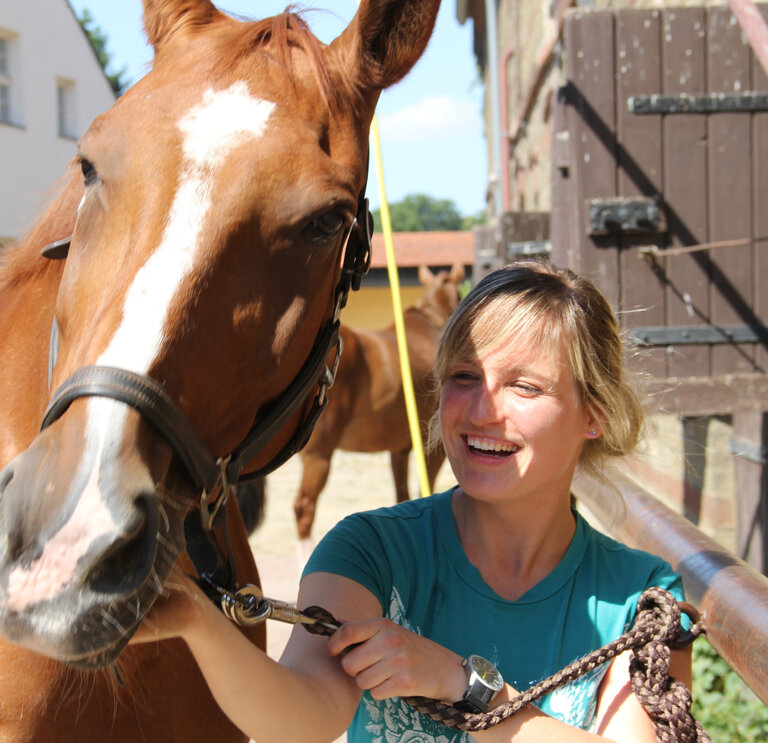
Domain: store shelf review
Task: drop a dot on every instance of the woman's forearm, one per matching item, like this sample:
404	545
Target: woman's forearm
267	701
531	725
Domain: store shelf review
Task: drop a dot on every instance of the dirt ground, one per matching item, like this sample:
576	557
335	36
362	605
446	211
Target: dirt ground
357	482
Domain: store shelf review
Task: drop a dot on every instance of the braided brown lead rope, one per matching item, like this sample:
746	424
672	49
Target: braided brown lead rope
656	628
666	700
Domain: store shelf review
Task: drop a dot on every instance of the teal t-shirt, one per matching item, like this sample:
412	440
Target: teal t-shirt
409	556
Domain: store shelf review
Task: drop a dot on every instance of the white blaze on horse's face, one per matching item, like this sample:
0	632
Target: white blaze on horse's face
212	131
57	566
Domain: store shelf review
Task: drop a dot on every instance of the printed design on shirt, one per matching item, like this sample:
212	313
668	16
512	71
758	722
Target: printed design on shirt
394	721
576	702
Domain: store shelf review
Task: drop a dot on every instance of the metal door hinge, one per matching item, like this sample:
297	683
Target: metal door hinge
624	215
680	335
698	104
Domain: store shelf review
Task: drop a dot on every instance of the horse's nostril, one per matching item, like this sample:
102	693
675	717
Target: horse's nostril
15	547
15	541
127	562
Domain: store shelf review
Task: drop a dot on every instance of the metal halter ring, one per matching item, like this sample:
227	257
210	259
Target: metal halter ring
246	607
686	637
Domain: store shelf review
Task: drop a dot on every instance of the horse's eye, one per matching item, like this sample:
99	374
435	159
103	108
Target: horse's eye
89	172
325	226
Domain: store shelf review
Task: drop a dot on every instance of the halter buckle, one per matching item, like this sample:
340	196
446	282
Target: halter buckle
210	506
328	378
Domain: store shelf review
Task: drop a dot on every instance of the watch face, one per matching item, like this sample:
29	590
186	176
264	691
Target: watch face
486	672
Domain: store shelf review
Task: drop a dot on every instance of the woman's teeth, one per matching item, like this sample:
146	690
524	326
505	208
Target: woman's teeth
489	446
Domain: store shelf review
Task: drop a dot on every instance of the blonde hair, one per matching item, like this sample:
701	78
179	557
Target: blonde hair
554	308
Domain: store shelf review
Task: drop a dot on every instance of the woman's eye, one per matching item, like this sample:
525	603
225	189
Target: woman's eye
325	226
528	390
463	377
89	172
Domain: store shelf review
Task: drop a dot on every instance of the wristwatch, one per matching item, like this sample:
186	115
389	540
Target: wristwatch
483	682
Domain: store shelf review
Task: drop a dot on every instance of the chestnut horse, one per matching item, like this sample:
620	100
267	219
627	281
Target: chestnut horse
204	274
366	410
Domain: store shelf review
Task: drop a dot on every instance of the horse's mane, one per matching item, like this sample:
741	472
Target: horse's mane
286	31
21	262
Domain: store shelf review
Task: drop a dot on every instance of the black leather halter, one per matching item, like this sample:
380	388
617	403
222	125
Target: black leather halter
212	475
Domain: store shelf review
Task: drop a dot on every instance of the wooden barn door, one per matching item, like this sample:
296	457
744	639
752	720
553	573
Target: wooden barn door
661	147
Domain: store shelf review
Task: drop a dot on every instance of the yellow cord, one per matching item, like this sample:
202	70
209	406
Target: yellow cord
397	306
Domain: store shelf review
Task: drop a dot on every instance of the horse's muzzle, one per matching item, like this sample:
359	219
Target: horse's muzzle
85	546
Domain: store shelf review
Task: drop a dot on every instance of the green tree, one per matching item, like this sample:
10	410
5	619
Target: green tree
724	705
98	41
421	213
473	220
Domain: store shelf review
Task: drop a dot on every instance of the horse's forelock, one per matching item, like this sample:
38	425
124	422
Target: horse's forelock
287	31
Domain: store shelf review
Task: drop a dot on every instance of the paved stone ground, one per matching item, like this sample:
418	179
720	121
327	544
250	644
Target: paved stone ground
357	482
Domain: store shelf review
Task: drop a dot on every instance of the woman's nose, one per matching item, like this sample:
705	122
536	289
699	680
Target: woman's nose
486	405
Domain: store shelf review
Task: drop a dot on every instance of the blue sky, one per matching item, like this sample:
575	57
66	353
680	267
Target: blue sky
431	127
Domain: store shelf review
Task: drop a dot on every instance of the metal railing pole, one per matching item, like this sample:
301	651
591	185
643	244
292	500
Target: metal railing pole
731	596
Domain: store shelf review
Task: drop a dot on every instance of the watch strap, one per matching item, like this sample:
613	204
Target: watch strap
477	696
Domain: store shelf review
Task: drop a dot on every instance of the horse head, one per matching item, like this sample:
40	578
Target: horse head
441	292
215	200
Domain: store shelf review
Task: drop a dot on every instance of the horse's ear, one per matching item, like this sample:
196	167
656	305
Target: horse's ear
386	38
165	18
457	273
425	276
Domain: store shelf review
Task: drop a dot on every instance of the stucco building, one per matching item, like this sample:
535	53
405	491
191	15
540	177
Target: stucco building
51	88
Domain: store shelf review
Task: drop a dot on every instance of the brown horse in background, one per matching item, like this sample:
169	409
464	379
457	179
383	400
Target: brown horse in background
208	218
366	411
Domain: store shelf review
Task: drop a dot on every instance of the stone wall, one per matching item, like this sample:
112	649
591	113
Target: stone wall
686	463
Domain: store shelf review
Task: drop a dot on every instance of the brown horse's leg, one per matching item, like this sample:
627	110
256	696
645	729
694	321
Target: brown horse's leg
316	468
399	461
435	460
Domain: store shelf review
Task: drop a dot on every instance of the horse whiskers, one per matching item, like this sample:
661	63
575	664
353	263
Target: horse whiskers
157	584
107	617
174	585
165	542
164	515
169	498
116	674
73	690
134	608
164	560
80	687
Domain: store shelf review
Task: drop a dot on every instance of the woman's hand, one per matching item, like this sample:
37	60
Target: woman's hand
175	611
392	661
